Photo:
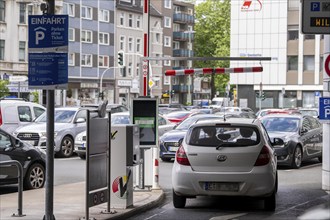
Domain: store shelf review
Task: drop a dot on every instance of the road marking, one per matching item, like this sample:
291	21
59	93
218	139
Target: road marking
155	215
227	217
71	158
301	204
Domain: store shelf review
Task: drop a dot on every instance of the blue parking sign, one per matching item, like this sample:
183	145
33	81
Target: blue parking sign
324	109
315	6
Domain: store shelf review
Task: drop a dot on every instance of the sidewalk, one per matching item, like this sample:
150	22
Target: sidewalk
69	203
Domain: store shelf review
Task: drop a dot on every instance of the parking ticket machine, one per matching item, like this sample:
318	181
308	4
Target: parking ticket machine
125	152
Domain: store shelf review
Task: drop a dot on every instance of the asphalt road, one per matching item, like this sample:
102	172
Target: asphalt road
298	191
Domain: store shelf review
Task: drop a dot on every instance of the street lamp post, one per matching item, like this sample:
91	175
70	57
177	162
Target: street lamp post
101	79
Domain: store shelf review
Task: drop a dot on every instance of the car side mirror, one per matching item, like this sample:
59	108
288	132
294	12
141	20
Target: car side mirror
278	141
18	143
80	120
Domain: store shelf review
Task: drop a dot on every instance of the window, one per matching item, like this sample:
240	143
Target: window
130	44
68	9
104	15
122	43
290	99
138	45
176	45
306	124
103	61
292	63
86	12
104	38
2	10
86	60
167	22
176	27
71	34
190	11
2	49
168	4
167	62
157	38
71	59
86	36
137	69
22	13
167	80
38	111
309	62
122	19
321	63
138	21
21	54
4	140
309	99
129	69
24	113
167	41
309	36
293	34
293	4
130	20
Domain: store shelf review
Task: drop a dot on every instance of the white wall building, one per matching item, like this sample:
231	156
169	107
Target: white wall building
293	77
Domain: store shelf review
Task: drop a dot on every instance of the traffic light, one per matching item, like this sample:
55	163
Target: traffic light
262	96
121	61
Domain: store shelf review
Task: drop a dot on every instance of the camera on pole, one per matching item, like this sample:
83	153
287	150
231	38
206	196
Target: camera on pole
121	60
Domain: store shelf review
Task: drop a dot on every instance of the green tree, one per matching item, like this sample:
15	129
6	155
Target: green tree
4	91
212	39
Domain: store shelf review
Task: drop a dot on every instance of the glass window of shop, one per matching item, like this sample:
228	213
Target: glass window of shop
267	101
290	99
311	99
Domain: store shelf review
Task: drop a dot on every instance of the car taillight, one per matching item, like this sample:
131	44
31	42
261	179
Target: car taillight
263	158
181	157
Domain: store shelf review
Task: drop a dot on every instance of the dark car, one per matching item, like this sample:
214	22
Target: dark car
32	159
169	142
302	136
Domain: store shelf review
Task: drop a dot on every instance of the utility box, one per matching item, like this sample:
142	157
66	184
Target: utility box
125	152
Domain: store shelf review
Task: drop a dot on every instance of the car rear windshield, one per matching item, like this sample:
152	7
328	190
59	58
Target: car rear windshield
223	136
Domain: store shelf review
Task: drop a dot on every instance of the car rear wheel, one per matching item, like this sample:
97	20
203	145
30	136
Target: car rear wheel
82	156
35	177
66	147
296	158
179	201
270	202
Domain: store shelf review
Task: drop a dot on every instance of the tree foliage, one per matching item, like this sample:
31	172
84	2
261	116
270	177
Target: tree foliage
4	91
212	37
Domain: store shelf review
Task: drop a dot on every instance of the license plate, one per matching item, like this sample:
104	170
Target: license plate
216	186
173	148
30	142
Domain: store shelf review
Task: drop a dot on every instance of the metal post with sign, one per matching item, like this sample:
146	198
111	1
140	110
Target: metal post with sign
315	17
48	69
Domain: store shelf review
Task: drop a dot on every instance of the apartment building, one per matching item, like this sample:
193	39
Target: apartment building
293	77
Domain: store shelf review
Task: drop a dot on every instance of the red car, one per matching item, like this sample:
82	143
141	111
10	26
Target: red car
178	116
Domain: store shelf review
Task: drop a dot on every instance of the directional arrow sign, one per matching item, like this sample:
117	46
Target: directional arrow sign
18	78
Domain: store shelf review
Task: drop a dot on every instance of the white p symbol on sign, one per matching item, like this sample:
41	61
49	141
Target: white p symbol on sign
40	35
327	112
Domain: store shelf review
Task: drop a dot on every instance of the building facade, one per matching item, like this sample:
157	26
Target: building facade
293	77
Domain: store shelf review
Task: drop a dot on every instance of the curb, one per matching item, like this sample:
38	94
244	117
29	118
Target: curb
142	208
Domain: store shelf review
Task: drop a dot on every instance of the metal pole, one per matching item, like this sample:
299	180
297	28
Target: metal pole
189	67
50	143
19	90
101	80
326	126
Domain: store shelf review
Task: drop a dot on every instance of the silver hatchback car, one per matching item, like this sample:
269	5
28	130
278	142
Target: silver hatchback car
232	157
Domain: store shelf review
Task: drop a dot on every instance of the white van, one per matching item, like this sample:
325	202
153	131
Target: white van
18	112
219	102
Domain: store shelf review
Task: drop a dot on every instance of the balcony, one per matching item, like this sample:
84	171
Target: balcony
183	18
183	36
183	53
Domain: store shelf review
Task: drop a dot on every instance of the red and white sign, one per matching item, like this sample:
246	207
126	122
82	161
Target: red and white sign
210	70
327	65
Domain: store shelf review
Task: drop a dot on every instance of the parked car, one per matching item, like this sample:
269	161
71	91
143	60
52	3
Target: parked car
177	116
32	159
164	125
302	135
225	158
314	112
17	112
114	108
169	141
69	121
